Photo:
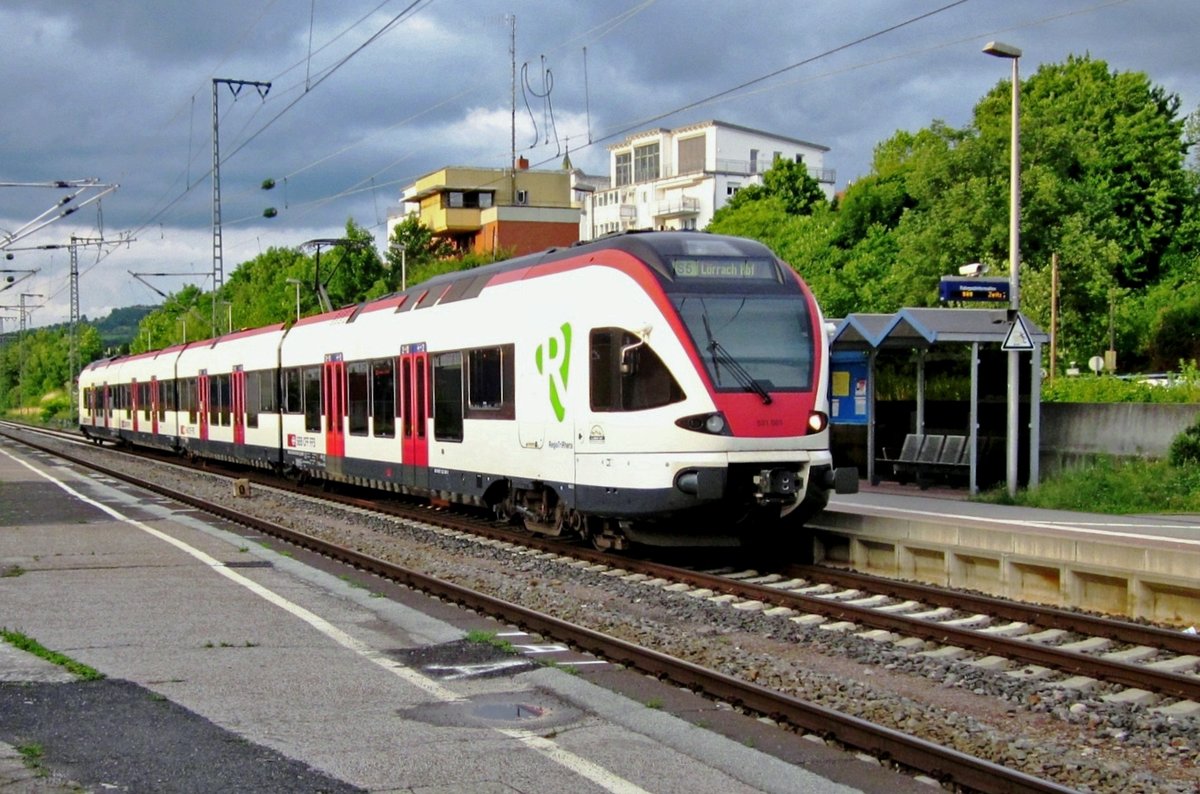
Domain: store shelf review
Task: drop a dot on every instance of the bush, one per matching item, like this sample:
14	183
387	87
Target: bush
1185	448
58	408
1184	387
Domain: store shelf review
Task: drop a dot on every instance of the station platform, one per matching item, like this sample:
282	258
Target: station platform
1137	566
229	666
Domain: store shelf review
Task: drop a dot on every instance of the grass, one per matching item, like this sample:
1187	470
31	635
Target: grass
32	755
1114	486
12	570
30	645
490	638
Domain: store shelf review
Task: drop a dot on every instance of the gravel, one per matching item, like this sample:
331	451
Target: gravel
1070	737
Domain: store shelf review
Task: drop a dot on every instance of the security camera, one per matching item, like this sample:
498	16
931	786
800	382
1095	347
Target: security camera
973	269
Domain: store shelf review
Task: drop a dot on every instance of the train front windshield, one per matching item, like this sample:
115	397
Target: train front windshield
752	340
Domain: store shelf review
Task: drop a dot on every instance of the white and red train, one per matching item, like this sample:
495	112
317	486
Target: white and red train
658	387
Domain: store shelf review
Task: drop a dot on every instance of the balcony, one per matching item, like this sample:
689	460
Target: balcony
750	167
677	208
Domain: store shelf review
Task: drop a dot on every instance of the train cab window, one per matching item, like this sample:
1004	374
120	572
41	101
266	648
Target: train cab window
358	400
490	383
311	389
626	375
383	397
448	397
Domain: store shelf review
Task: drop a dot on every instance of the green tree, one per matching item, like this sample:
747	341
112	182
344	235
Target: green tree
415	254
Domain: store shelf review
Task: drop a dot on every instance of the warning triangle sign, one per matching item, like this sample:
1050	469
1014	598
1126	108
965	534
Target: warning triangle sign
1018	336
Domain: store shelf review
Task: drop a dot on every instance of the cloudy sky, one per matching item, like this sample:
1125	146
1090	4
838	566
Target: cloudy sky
367	95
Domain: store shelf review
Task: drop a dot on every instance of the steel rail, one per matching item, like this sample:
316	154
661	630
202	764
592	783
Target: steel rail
1138	676
943	763
1039	615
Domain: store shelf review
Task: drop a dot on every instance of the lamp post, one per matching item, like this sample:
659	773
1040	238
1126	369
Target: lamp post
403	268
1001	50
296	282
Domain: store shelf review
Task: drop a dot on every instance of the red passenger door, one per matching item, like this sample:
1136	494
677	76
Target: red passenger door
202	399
154	405
333	398
238	385
134	400
414	413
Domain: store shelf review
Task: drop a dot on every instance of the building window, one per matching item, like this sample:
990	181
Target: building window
645	162
454	199
485	200
731	188
691	155
624	169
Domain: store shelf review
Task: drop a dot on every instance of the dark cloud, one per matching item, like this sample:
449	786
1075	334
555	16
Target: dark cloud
123	91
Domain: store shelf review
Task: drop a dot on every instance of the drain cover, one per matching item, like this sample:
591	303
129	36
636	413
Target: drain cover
531	709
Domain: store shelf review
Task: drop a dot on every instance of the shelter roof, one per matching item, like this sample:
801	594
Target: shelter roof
925	327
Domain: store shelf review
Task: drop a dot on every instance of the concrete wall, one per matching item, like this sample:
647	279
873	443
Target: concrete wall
1075	431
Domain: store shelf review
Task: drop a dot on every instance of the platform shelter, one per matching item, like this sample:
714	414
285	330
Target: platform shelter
971	442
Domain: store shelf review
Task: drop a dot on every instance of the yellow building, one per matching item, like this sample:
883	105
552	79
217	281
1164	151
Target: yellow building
482	210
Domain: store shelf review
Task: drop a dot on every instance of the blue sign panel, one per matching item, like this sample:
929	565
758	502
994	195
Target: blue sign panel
956	289
848	388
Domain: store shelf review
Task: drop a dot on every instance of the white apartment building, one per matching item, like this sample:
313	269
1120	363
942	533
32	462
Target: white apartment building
677	179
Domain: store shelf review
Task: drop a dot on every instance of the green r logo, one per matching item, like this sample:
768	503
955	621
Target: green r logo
554	361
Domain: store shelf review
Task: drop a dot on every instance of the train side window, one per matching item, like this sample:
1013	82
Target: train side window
358	401
490	383
166	392
311	383
448	396
253	397
268	402
383	397
627	375
144	399
127	399
187	398
293	403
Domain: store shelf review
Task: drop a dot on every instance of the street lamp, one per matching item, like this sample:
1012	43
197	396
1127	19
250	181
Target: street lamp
297	282
403	268
1001	50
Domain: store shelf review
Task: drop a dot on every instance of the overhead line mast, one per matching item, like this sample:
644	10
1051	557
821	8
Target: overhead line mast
218	268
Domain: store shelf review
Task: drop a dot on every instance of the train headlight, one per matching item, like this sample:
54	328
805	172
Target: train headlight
713	424
817	421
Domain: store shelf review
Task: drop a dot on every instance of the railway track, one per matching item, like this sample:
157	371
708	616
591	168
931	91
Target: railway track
834	596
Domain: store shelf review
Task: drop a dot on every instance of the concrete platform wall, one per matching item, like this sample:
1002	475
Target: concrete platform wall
1072	432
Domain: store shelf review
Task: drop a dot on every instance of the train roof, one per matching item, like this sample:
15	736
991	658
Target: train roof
655	248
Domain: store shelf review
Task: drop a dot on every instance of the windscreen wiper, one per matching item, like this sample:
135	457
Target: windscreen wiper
720	355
